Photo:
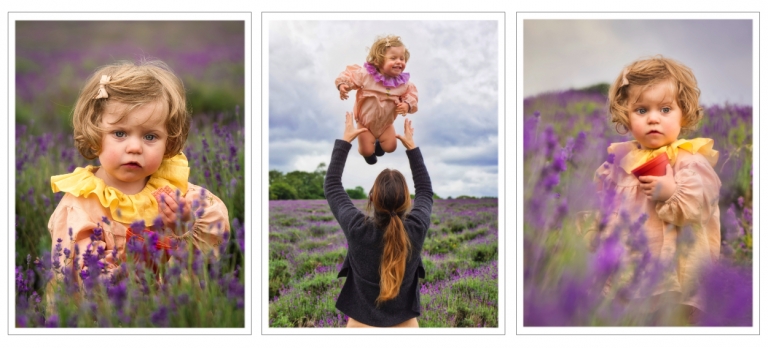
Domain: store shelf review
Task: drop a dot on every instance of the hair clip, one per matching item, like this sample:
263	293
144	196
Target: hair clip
624	80
103	91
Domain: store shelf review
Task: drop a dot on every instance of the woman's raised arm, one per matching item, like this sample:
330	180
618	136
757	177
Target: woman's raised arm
422	203
338	199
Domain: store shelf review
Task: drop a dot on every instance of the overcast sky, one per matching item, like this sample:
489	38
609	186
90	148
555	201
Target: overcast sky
454	65
563	54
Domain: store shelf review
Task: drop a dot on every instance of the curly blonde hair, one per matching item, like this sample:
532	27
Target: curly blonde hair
648	72
134	85
379	49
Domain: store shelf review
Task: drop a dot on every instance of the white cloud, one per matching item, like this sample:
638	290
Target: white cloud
454	66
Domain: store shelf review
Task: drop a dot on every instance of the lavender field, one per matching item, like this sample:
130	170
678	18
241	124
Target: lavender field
307	248
566	135
53	60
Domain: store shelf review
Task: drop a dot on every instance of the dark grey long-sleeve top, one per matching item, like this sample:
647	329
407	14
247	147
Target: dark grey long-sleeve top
365	240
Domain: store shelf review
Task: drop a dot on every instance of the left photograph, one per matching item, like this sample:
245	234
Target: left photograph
130	174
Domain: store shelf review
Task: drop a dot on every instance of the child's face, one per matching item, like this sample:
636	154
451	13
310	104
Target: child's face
394	62
132	149
655	118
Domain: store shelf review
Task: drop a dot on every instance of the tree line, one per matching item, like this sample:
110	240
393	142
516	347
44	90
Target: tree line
308	185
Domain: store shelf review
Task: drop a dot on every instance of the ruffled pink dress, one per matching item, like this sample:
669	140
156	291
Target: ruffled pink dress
377	96
694	204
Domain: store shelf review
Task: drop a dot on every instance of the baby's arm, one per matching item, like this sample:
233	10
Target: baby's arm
409	101
349	79
696	194
71	217
211	219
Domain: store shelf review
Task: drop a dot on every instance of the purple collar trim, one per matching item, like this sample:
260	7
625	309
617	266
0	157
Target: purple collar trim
386	80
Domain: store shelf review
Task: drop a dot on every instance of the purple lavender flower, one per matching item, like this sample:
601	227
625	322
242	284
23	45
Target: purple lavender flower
117	294
138	226
157	223
52	321
160	317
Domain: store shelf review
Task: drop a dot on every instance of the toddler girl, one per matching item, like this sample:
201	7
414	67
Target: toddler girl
135	121
384	92
655	100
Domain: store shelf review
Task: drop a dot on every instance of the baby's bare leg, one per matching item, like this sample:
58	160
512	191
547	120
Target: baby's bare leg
366	143
388	139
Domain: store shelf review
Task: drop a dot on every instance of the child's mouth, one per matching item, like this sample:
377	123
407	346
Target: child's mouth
654	132
132	165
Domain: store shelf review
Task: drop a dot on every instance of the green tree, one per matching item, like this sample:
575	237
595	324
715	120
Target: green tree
282	190
275	176
297	184
357	193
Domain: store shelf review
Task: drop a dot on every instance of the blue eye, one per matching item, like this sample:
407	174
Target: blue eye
665	110
119	134
150	137
641	111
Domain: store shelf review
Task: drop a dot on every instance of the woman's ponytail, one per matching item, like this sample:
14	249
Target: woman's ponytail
397	248
389	201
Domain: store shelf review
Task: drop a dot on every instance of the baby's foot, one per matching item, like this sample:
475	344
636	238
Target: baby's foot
371	159
379	151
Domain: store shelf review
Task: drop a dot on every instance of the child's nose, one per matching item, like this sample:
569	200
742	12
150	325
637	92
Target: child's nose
653	117
133	145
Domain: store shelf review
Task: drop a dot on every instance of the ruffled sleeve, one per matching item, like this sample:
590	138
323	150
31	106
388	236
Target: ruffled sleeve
68	216
411	96
71	213
602	177
587	221
211	219
352	77
696	195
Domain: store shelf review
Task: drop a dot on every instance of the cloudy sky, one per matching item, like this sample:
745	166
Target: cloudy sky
563	54
454	65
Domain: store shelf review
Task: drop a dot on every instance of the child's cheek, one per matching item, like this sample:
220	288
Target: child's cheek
109	155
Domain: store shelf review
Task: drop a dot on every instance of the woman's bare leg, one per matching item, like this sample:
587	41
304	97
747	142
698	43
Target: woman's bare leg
388	139
413	322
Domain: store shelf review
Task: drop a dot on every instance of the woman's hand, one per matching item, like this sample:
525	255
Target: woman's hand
407	138
343	92
350	132
659	188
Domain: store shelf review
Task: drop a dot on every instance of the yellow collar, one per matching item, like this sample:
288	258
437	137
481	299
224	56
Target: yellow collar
631	155
173	172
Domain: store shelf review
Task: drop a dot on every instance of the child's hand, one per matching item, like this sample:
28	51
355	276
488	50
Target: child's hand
350	132
402	108
169	210
343	92
407	138
659	188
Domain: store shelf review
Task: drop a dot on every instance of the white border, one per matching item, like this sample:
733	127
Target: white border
502	37
523	330
246	112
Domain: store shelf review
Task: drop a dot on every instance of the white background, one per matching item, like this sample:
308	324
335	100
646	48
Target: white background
258	169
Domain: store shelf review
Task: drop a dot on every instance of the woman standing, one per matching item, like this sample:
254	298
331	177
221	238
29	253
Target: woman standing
383	262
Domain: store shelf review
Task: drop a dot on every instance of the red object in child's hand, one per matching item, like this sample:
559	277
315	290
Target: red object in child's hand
654	167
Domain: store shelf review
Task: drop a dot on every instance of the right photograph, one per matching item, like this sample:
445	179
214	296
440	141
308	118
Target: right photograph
637	173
